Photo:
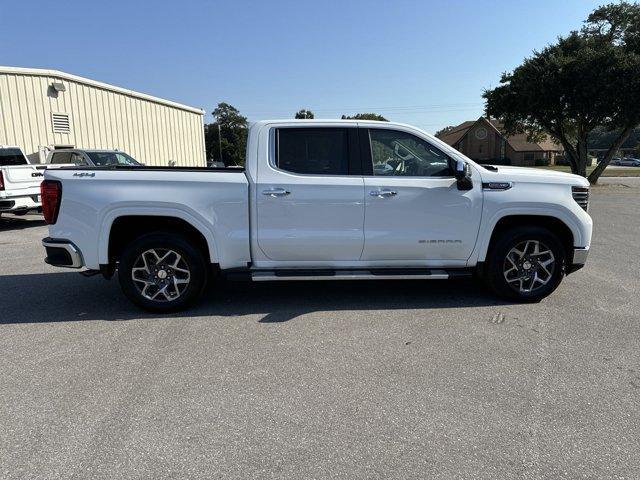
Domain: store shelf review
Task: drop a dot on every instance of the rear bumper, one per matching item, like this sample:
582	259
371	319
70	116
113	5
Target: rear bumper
62	253
21	203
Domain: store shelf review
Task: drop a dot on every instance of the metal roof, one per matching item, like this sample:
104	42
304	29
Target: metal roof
87	81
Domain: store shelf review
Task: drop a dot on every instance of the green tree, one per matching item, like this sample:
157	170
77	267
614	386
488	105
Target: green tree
586	80
365	116
601	139
304	113
226	137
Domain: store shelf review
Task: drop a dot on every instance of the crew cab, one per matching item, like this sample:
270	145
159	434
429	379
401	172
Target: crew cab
320	200
19	182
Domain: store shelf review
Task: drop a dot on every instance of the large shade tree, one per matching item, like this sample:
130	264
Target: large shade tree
586	80
226	137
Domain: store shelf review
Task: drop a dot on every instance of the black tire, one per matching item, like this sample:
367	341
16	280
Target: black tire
497	264
191	259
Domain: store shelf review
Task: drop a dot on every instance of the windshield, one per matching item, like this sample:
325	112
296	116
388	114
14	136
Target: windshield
111	158
12	156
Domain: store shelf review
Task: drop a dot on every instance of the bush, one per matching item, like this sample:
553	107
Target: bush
541	162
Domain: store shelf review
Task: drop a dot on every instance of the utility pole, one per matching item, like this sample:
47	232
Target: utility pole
220	141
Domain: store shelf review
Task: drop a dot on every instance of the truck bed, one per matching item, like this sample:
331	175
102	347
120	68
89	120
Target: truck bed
154	168
213	200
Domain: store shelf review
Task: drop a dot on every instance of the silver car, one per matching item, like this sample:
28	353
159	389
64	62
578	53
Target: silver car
629	162
91	158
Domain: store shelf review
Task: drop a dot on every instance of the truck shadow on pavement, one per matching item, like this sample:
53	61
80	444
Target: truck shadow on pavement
284	301
68	297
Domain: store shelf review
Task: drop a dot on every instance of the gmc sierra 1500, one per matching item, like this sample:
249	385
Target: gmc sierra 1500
19	182
320	200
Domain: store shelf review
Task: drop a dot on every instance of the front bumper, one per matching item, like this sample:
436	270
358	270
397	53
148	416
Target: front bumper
62	253
579	259
580	255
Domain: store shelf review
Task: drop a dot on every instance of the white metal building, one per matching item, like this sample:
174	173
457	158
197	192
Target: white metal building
42	110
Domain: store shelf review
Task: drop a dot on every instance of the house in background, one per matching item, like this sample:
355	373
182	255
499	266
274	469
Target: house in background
483	140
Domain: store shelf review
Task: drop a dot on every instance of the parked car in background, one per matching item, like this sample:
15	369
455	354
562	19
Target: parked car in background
90	158
19	182
320	200
630	162
615	161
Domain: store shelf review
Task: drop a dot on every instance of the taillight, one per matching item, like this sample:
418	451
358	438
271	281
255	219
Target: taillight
51	193
1	181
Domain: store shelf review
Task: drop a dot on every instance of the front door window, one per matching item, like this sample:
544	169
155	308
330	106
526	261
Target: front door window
396	153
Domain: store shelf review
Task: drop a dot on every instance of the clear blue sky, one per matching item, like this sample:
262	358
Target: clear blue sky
420	62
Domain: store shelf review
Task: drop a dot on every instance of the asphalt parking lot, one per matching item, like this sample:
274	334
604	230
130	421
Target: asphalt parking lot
318	380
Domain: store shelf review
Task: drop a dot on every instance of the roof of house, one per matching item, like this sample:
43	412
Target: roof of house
87	81
452	136
518	142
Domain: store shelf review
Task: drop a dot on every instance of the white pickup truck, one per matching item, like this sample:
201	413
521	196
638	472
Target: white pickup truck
19	182
320	200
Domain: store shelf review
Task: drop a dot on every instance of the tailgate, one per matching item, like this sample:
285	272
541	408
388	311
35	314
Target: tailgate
21	177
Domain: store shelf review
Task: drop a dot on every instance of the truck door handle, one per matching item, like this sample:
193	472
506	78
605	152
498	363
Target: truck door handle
276	192
383	193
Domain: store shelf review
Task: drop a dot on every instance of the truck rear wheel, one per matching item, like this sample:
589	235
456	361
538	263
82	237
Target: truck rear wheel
162	272
525	263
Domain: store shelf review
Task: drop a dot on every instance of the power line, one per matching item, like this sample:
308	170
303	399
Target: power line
452	107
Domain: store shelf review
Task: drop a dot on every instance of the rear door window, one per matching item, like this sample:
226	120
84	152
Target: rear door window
313	151
111	158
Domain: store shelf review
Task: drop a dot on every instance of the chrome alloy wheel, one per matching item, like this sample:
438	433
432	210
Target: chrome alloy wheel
160	274
529	266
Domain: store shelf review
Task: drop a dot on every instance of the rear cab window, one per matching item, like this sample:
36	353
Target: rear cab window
62	158
12	156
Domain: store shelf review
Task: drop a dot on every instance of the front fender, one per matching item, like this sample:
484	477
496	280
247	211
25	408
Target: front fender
577	220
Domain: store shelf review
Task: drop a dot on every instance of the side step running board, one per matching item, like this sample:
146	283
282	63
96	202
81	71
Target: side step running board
372	274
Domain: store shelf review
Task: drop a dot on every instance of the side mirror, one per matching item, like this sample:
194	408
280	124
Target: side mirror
463	175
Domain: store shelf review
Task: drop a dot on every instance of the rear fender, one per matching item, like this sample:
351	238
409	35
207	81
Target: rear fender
170	210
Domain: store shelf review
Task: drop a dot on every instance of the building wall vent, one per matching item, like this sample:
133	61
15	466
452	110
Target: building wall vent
61	123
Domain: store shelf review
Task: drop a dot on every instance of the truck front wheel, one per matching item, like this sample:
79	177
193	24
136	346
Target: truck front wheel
525	263
162	272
